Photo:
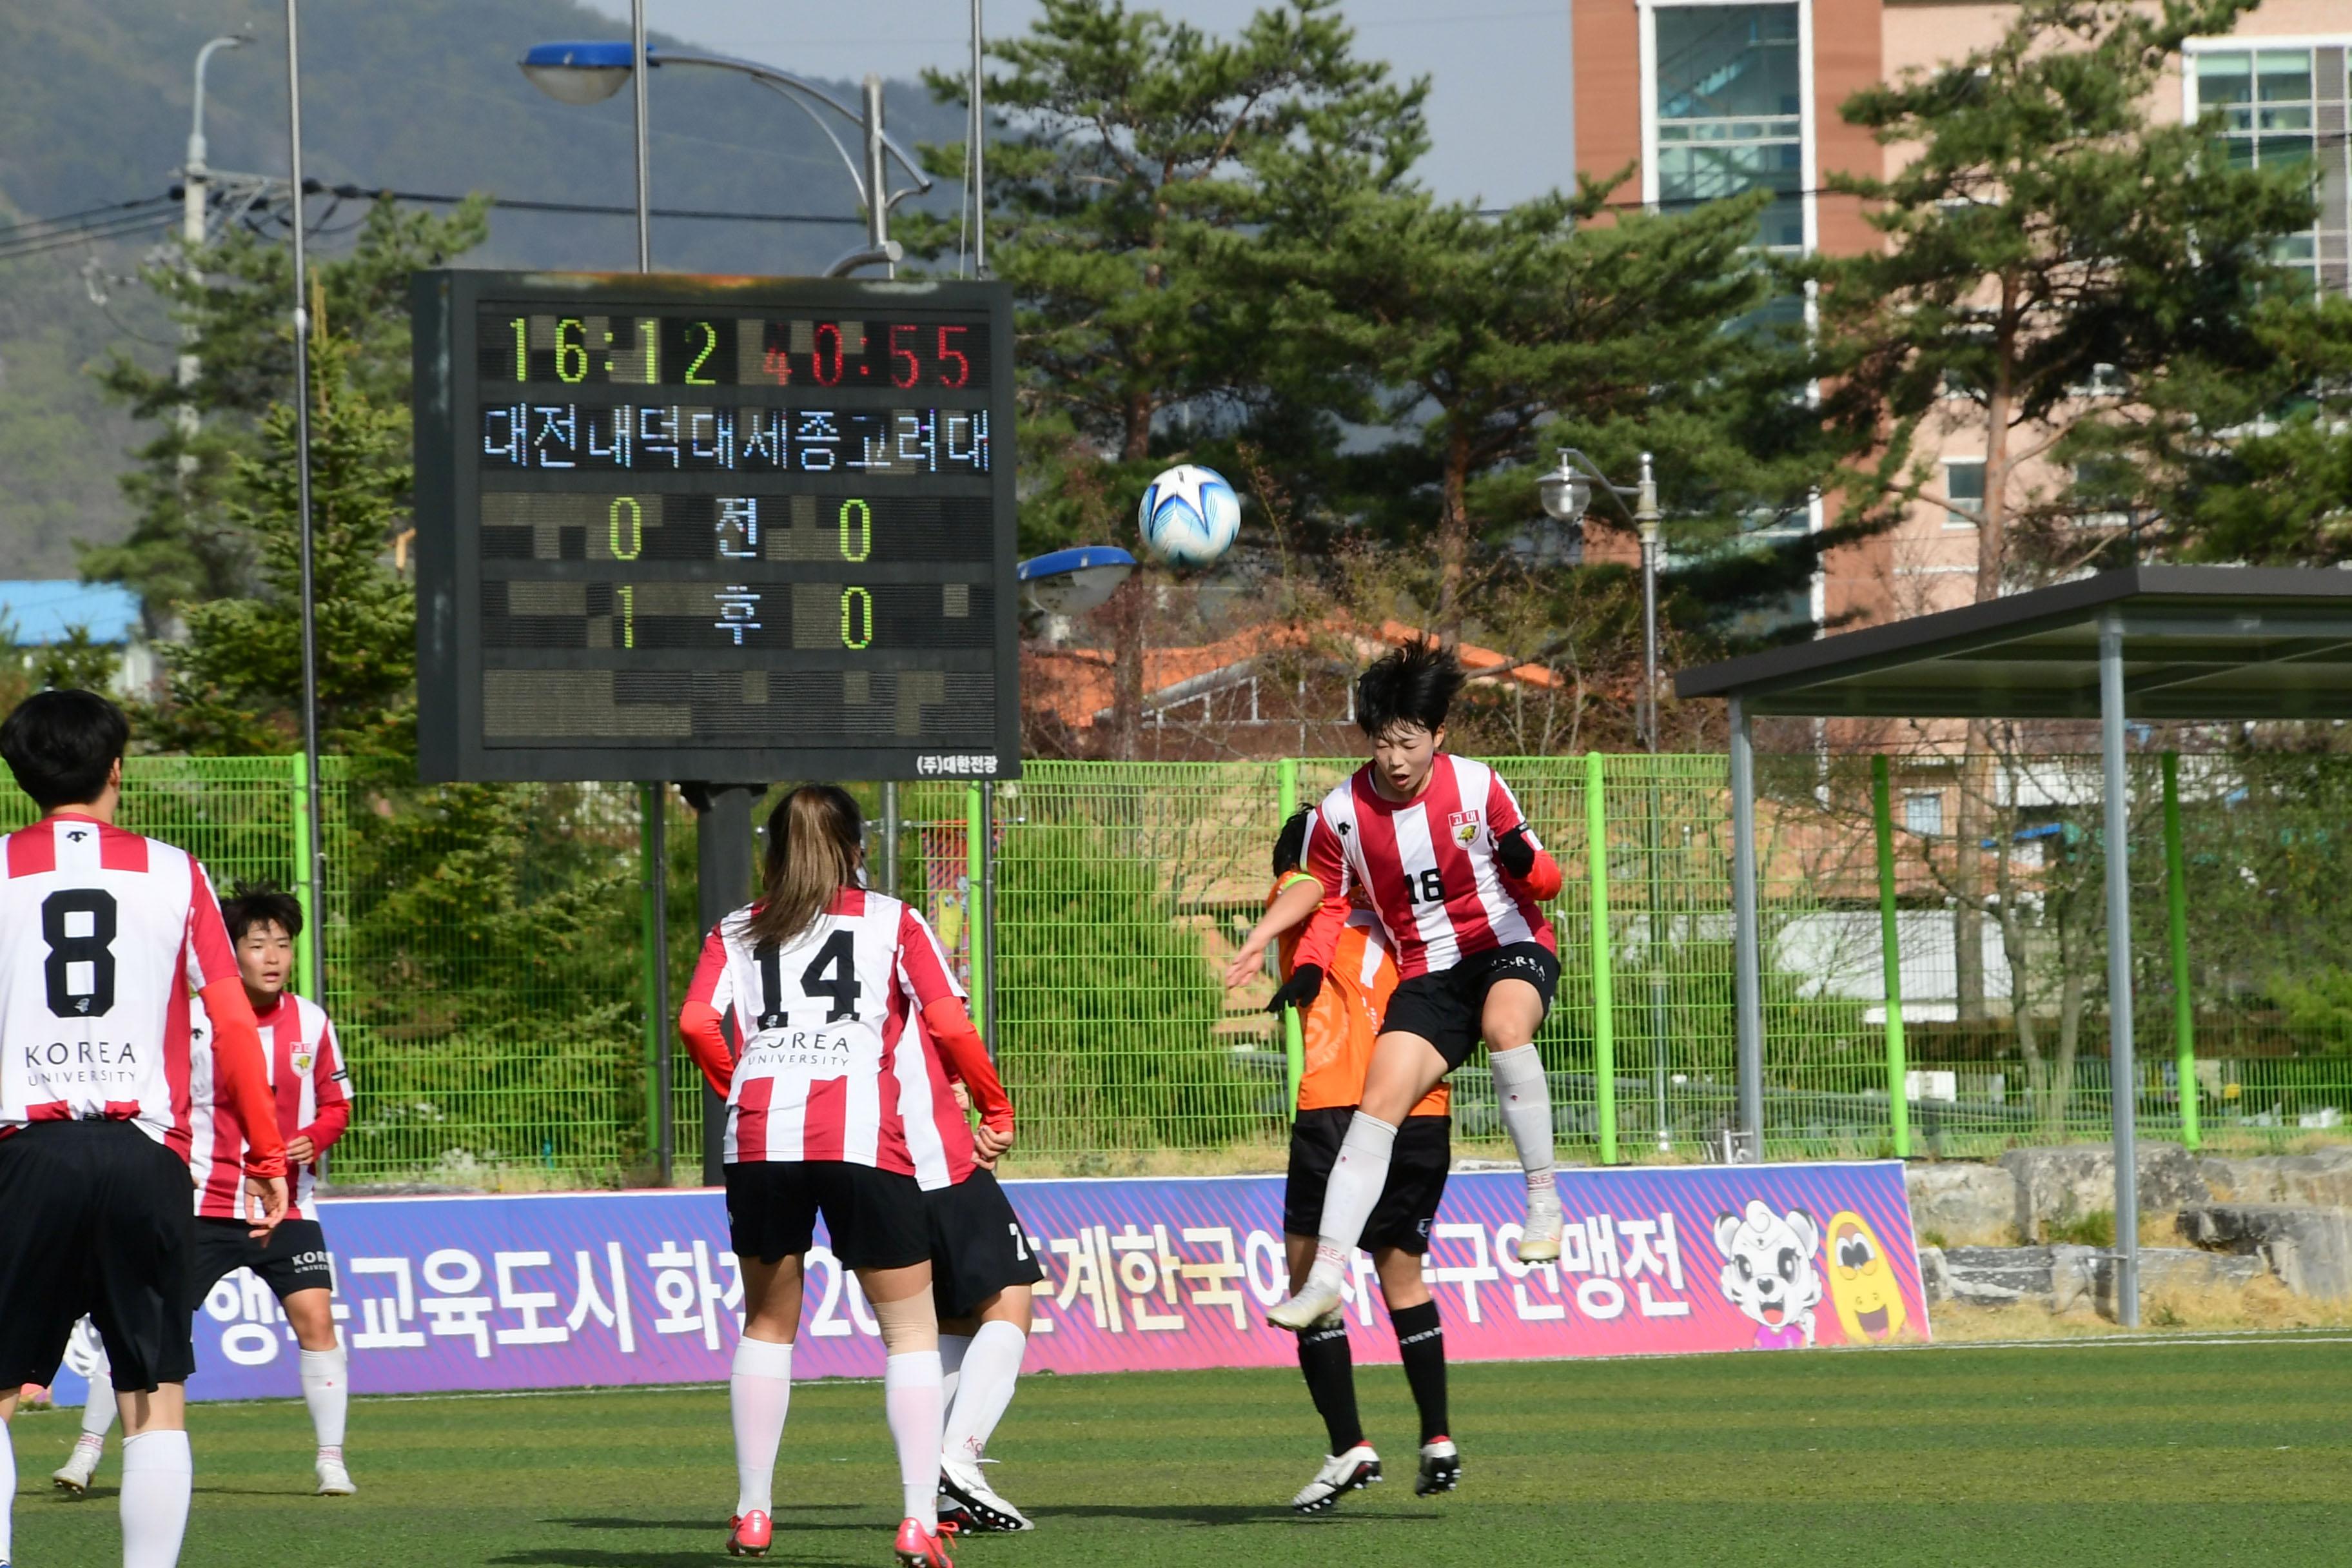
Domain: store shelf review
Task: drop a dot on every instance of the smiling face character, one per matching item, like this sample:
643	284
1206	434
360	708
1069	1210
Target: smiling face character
1862	1282
1768	1273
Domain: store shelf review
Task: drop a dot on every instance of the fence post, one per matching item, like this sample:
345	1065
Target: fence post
2176	899
983	1005
654	844
1898	1102
306	873
1604	1020
1293	1031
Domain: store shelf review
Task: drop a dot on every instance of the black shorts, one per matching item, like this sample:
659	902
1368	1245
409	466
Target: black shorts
1423	1153
95	1217
978	1244
293	1257
874	1220
1447	1006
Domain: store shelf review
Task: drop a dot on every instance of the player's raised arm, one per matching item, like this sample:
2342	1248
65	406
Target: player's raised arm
702	1017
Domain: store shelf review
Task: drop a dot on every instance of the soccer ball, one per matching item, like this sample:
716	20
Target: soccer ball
1189	516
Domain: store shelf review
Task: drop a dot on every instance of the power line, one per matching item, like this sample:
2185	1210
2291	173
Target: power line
591	209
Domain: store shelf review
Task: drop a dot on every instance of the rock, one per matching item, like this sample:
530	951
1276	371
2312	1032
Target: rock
1998	1276
2321	1179
1964	1203
1934	1275
2060	1185
2310	1249
2061	1279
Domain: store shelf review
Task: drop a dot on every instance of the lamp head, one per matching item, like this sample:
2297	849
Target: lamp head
581	72
1565	493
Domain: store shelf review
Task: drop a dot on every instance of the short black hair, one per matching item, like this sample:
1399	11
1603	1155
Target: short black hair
1413	683
61	746
260	903
1290	844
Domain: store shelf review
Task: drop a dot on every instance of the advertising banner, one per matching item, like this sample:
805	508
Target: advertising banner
564	1290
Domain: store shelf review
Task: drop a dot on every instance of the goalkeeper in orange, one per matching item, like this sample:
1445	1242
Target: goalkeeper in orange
1340	1027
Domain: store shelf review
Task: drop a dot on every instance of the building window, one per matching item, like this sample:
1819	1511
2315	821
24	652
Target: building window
1964	486
1731	111
2273	104
1923	815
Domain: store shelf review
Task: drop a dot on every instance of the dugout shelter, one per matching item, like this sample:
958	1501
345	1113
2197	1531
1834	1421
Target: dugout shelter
2211	643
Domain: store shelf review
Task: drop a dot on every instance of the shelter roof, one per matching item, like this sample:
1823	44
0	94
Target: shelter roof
2199	642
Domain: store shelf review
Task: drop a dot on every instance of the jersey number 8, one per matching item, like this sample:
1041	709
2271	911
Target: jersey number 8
79	925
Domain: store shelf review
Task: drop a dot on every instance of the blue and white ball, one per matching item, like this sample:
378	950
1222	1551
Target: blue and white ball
1189	516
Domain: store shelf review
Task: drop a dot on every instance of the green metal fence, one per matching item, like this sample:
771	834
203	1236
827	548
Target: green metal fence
487	946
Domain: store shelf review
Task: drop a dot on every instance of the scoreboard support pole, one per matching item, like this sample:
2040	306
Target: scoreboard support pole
723	885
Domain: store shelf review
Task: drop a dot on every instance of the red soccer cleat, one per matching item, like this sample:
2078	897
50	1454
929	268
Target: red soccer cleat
749	1535
917	1548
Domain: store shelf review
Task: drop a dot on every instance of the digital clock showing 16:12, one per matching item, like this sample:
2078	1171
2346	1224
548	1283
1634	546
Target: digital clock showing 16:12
903	353
714	528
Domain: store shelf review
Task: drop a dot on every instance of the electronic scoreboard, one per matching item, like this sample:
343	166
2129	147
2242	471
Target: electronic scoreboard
672	527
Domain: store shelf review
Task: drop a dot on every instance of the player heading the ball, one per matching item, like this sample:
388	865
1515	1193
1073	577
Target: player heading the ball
1453	875
836	1105
103	933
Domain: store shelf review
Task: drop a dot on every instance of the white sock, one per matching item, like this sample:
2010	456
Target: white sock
7	1489
158	1473
952	1352
911	1398
990	1370
98	1416
1350	1196
759	1396
1525	1096
327	1390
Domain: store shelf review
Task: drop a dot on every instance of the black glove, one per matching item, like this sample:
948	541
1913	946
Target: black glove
1306	984
1515	851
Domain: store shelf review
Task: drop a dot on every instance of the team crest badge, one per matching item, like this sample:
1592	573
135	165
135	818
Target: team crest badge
302	1060
1464	825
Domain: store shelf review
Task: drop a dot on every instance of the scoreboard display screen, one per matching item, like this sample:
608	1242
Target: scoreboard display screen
723	529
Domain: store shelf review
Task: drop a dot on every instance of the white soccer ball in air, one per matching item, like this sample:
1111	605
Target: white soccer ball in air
1189	516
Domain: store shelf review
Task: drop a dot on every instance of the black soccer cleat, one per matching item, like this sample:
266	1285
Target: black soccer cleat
1441	1468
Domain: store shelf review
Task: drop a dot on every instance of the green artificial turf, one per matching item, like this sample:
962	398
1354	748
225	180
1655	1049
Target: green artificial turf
2135	1456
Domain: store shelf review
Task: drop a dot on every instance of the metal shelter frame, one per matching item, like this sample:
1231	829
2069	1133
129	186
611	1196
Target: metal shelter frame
2224	643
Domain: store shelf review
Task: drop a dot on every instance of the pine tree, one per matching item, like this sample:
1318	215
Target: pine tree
236	682
188	545
2058	265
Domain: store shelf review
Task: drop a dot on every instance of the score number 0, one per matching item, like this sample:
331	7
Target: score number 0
856	523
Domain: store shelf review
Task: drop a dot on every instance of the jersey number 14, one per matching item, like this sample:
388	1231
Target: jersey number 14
831	975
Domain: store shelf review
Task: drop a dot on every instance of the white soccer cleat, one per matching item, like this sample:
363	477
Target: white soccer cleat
1312	1304
1341	1474
334	1480
1539	1242
73	1476
959	1478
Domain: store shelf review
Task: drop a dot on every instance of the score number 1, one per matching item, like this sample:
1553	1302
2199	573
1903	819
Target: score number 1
626	522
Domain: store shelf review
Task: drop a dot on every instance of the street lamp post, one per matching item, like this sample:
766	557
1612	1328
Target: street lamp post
195	186
591	71
314	874
1566	495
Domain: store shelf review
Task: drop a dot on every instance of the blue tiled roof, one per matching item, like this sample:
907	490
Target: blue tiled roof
39	612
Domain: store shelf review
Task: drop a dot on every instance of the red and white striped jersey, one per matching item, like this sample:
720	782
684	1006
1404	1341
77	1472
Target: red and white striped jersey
309	1085
828	1064
1427	866
103	934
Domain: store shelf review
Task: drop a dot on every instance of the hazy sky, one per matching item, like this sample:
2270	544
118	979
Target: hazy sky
1499	69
